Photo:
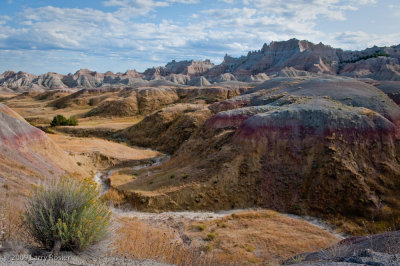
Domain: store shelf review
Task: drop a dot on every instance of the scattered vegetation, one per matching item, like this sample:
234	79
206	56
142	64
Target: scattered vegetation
140	240
114	197
60	120
207	248
210	237
185	176
66	215
201	227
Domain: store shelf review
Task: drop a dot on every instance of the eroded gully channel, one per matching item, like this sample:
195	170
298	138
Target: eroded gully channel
102	178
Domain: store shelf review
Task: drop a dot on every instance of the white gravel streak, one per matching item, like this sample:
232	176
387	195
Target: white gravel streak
101	179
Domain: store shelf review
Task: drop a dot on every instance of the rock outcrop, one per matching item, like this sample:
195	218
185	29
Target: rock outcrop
380	63
310	145
199	81
168	128
190	68
381	68
18	82
27	155
380	249
390	88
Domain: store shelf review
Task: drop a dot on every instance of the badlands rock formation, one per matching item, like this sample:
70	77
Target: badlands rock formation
189	68
168	128
316	58
27	155
315	145
391	88
286	58
131	101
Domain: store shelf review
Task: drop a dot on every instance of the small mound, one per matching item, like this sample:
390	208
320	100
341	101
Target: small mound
168	128
120	107
83	97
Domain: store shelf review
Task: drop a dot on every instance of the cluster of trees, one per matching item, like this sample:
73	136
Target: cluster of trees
374	55
60	120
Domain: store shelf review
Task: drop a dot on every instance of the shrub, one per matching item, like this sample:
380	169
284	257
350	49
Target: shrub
72	121
60	120
66	215
207	248
201	227
210	237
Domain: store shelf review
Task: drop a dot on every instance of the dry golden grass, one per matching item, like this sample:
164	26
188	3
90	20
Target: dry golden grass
261	237
40	114
107	148
108	122
114	197
258	238
10	221
139	240
121	177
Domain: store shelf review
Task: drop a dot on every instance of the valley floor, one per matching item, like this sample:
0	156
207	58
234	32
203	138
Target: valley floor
256	236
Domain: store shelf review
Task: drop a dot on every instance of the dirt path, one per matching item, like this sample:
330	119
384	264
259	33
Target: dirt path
164	217
84	147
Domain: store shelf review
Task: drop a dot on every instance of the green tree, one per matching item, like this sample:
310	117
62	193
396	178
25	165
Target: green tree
72	121
60	120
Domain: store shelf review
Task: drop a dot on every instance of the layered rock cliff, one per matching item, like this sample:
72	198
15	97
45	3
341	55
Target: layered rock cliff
292	57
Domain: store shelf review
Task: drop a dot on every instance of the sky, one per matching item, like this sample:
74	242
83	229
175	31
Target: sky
66	35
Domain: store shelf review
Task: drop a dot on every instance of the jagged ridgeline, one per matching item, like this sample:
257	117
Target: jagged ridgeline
379	63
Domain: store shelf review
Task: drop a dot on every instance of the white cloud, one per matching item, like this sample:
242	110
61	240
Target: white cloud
361	39
134	8
307	10
206	34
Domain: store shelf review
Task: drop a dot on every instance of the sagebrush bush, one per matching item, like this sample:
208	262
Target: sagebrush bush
67	214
